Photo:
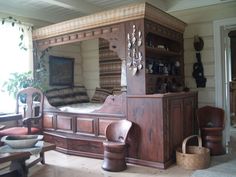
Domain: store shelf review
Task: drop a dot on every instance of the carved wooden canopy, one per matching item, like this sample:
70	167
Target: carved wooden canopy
106	24
110	25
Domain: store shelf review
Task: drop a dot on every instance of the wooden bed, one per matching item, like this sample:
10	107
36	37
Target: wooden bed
161	120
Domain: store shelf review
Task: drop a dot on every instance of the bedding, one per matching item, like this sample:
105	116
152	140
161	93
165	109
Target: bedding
67	96
81	107
100	95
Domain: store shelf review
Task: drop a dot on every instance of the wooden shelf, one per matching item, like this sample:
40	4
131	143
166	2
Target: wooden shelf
163	75
161	52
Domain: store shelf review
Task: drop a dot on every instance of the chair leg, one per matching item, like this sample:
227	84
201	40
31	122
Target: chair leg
42	156
19	166
14	173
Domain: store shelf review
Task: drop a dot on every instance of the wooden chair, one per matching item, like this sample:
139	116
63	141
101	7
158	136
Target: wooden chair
115	146
211	124
29	103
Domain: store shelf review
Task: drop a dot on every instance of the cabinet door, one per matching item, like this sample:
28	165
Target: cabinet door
175	124
189	117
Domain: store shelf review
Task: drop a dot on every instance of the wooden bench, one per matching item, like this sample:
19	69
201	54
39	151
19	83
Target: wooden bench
18	161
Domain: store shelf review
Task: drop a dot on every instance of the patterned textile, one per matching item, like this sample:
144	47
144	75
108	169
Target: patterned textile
68	95
100	95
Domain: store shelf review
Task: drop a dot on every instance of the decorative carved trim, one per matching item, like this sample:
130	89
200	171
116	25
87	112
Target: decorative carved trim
163	31
110	33
154	14
96	20
114	16
134	58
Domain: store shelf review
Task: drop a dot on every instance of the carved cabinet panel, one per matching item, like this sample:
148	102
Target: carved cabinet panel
164	121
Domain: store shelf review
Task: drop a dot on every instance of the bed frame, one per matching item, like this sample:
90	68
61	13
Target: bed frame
82	133
160	121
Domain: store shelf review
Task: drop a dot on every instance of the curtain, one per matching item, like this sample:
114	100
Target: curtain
13	58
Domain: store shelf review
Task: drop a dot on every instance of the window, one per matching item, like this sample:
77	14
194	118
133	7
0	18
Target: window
13	59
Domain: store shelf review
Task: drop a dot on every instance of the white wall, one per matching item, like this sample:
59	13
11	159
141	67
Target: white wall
90	55
70	51
200	22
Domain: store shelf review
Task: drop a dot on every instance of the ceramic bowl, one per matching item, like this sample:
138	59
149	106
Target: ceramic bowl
21	141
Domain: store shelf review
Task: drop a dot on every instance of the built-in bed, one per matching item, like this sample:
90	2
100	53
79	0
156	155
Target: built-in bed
160	121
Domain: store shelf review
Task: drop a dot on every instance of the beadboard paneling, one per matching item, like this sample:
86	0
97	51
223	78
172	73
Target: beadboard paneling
70	51
202	29
206	55
209	69
206	96
190	82
90	60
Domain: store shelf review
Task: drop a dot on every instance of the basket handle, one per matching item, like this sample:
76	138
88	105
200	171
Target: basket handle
189	137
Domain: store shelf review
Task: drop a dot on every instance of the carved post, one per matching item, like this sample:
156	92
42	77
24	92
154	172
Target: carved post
123	81
135	58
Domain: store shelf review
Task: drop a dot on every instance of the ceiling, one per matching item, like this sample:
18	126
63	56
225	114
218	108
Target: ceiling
60	10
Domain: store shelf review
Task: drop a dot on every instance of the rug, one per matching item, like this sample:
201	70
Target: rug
221	166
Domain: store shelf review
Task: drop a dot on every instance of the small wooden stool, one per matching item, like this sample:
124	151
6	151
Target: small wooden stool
115	145
211	124
114	156
212	139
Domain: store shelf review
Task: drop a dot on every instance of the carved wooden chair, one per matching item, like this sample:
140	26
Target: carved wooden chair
211	124
29	103
115	145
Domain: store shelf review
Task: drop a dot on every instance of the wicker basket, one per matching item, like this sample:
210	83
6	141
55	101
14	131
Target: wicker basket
193	157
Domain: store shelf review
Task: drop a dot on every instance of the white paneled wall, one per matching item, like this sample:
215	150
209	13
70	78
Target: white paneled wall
200	22
206	96
90	63
86	63
70	51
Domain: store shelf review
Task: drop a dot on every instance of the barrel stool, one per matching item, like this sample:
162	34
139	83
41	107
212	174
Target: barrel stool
211	125
212	138
115	146
114	156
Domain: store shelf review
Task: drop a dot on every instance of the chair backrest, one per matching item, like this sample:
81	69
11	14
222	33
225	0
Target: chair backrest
118	131
29	102
209	116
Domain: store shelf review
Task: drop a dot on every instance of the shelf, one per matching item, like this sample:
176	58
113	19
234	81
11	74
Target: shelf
162	75
161	52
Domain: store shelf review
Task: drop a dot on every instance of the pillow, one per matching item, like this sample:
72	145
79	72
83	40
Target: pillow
116	91
67	95
100	95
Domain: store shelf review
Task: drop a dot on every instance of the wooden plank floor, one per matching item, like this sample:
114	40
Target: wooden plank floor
60	165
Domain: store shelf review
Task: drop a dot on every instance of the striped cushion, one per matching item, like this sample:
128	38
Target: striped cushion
100	95
68	95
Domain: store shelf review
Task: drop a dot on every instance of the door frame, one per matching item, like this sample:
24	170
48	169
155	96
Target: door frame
222	93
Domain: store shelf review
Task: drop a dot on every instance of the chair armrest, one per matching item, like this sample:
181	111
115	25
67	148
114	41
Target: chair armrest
29	119
10	117
2	127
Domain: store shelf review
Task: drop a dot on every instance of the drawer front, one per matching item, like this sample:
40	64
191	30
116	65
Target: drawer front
85	126
86	146
48	121
58	141
102	124
64	123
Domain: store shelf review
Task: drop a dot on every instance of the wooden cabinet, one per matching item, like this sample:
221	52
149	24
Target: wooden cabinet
164	59
159	58
164	120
